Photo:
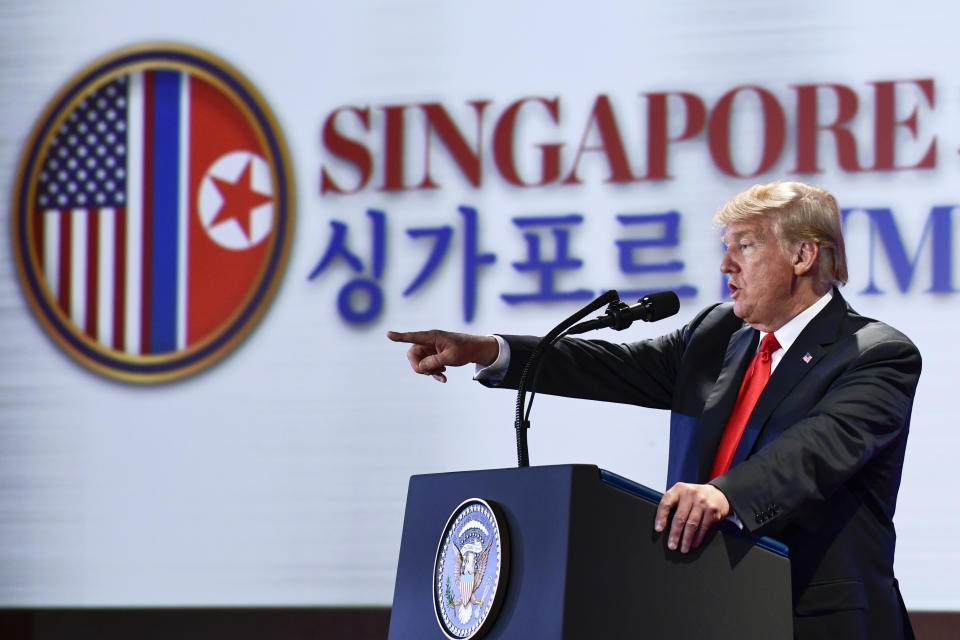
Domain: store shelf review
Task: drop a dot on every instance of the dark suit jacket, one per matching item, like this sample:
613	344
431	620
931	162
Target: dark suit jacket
819	463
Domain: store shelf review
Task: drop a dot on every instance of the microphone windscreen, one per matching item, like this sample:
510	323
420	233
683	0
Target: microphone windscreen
661	305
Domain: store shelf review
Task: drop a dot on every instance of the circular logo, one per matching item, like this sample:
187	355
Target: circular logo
152	213
471	569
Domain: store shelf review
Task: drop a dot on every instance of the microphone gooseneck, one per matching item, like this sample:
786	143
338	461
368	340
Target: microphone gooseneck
522	422
618	315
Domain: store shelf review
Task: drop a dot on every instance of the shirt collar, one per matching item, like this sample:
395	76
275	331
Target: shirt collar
788	333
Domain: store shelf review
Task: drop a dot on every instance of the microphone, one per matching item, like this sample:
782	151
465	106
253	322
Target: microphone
619	316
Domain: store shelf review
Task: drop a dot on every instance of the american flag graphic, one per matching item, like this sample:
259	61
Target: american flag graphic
128	251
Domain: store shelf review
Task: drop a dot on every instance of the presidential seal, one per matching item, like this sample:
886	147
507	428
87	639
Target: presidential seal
471	569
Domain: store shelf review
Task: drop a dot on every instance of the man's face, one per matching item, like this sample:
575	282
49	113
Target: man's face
761	274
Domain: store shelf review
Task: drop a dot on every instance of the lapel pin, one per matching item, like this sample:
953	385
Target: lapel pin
807	357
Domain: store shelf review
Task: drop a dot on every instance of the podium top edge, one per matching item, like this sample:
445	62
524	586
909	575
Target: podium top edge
531	469
631	487
653	496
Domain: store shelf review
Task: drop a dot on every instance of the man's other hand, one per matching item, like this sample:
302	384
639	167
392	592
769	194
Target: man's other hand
433	351
699	507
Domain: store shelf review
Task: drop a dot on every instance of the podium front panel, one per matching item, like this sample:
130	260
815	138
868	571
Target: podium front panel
586	563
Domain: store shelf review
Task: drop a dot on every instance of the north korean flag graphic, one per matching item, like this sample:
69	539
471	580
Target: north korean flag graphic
160	217
231	214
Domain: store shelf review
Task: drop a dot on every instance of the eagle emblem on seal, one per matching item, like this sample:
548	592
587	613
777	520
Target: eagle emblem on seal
470	565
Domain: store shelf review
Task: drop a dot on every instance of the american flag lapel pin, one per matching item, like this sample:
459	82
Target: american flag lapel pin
807	357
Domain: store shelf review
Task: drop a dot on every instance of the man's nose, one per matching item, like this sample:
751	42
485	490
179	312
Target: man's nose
727	265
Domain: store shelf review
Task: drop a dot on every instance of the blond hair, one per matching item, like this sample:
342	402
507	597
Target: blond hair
800	213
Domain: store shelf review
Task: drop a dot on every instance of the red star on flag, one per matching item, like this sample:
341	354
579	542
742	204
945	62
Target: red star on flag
239	200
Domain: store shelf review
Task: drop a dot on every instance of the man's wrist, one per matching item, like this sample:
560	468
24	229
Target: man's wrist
496	371
490	351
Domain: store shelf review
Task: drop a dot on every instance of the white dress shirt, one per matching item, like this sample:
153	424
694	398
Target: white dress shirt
788	333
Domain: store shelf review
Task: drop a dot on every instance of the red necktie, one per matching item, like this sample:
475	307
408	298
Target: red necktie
753	382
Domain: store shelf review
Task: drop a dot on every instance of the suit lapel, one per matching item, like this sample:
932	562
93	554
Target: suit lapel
804	354
719	404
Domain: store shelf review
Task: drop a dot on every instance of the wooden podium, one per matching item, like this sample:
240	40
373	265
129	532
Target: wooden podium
586	563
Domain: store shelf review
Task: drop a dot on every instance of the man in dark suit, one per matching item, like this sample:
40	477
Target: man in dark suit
802	438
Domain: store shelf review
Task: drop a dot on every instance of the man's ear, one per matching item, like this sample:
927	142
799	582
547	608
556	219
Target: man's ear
805	257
